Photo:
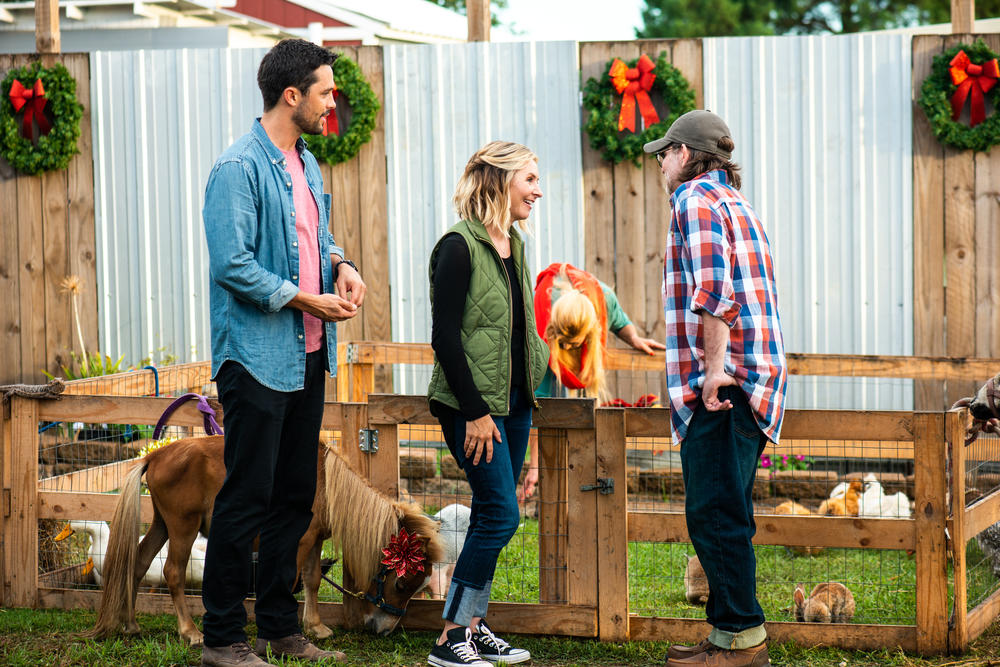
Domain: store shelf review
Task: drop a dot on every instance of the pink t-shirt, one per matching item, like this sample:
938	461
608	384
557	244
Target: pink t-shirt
307	229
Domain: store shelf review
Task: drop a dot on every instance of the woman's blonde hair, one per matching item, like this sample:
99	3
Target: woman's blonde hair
573	323
483	191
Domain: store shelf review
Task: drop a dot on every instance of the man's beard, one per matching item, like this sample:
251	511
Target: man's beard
303	123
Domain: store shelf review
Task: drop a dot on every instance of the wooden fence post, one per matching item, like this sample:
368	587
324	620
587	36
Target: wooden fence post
958	635
552	515
581	513
20	537
930	514
355	419
612	527
5	508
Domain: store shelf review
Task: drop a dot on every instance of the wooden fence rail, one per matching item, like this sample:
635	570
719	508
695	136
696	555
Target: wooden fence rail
583	536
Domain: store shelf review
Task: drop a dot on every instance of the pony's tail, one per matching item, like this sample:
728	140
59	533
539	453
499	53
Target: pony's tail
117	604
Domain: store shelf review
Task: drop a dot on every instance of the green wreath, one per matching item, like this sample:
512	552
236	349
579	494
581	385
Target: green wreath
604	103
935	100
55	149
353	85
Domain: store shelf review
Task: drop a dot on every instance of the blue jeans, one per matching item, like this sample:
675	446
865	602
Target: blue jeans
719	460
495	515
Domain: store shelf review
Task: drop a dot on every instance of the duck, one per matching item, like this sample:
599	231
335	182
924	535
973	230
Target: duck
100	535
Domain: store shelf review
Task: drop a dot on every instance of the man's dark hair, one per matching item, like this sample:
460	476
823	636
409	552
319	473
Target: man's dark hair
291	62
701	162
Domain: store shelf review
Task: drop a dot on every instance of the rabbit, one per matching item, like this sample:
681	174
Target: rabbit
695	582
829	602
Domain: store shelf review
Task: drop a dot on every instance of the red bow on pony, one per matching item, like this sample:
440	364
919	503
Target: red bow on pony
971	79
33	101
634	84
405	554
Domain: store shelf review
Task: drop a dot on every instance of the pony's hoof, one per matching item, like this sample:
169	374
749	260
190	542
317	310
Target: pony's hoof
320	631
194	640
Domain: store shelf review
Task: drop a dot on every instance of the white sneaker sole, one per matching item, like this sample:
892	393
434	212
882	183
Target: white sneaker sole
439	662
507	660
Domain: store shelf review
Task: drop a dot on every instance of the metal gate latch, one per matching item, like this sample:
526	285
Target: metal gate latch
368	440
606	485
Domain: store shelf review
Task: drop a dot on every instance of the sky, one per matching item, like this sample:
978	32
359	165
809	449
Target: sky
580	20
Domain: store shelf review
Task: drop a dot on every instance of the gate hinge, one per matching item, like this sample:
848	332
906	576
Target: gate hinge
352	353
606	485
368	440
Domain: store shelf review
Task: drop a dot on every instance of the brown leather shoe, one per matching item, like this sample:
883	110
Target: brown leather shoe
297	646
679	651
713	656
234	655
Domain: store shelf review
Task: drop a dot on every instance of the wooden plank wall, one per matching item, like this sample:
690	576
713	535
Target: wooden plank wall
625	208
956	211
46	234
359	220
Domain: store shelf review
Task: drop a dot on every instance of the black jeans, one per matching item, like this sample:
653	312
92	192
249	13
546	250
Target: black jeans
270	455
719	457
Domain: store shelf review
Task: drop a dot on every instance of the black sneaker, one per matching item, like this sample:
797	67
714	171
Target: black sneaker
496	650
457	651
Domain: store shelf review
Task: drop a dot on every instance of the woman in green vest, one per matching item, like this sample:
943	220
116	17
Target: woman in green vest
488	361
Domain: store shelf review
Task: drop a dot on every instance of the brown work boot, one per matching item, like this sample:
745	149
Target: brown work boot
713	656
238	654
297	646
679	651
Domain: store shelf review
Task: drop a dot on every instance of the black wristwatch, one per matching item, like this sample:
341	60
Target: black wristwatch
336	267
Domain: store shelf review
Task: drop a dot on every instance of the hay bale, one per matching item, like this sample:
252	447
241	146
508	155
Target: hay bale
417	462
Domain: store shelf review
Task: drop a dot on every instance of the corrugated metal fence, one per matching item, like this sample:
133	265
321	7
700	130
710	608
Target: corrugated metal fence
822	126
823	133
160	118
443	102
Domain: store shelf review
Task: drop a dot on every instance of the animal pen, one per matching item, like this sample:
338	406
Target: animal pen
601	550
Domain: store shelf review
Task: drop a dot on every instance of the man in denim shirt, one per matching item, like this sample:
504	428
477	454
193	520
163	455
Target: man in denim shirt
278	285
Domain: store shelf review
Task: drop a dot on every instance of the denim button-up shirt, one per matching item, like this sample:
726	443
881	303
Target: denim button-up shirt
254	261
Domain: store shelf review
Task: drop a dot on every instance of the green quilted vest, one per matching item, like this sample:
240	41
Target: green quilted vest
486	323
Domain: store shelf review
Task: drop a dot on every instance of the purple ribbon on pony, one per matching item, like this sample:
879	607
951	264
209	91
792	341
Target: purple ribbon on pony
208	414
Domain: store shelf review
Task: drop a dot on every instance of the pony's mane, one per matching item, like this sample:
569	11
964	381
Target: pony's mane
362	520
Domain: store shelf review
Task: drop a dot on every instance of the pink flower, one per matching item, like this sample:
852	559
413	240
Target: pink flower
765	461
800	458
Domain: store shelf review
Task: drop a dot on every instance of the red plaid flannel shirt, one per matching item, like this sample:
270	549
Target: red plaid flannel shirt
718	260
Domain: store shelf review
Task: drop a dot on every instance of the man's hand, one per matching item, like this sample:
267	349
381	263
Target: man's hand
479	435
710	391
349	282
525	491
327	307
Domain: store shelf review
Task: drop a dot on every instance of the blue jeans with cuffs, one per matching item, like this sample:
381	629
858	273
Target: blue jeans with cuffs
495	515
719	457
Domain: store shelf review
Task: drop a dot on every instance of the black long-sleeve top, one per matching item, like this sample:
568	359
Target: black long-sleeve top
450	275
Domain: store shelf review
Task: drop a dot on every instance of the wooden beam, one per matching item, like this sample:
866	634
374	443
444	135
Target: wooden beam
855	636
478	13
983	615
612	528
793	531
47	38
958	634
963	16
931	516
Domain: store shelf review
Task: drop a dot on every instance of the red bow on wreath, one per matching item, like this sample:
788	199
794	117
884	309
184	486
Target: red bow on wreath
332	126
974	79
405	554
634	84
33	101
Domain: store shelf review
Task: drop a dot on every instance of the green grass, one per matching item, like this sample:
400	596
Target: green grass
33	638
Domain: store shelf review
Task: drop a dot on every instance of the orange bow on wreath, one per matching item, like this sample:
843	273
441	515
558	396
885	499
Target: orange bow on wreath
974	79
33	101
634	84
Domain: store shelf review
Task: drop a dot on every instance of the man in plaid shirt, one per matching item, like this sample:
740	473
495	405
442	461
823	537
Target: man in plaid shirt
726	374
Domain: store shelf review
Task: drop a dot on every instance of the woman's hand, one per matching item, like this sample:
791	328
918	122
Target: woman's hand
630	335
479	435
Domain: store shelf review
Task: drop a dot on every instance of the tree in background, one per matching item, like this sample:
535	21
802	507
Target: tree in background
707	18
459	6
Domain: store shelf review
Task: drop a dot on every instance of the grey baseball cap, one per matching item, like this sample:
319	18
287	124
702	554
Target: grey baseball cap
698	129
